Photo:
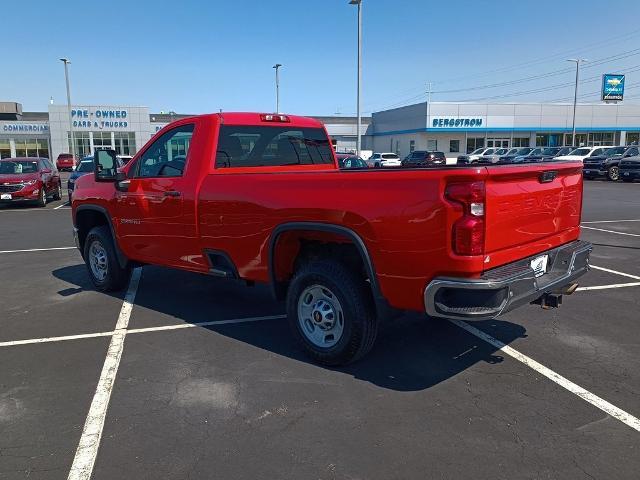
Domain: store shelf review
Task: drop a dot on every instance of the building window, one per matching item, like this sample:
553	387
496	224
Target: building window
600	138
412	146
102	141
125	143
5	149
83	145
32	147
454	146
633	138
581	140
432	145
474	144
520	142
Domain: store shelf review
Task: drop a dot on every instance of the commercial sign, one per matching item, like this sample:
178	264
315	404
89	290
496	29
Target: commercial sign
456	122
95	117
20	127
612	87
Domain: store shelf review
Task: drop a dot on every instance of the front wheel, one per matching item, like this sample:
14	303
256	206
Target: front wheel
102	262
613	173
331	313
42	199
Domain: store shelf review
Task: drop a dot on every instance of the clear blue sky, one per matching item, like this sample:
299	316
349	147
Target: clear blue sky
199	56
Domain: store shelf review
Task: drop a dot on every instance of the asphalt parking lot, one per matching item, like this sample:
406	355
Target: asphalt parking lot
209	383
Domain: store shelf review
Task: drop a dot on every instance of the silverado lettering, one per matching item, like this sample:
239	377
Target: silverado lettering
260	198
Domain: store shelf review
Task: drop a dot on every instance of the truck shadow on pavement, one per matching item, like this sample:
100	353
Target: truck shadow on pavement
412	352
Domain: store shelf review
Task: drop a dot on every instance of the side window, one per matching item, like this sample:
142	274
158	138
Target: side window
633	151
167	156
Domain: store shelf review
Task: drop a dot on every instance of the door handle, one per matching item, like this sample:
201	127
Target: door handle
172	193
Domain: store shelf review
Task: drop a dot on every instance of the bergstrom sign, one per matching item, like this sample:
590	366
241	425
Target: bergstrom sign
99	118
459	122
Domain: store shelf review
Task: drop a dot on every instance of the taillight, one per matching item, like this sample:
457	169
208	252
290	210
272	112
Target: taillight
468	231
274	117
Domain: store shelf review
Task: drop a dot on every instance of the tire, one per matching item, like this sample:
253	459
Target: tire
42	199
317	284
102	262
613	173
377	165
58	194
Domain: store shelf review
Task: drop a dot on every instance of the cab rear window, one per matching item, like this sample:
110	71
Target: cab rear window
258	146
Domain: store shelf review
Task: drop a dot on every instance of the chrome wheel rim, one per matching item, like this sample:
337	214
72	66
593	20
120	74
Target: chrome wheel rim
43	195
320	316
98	261
614	173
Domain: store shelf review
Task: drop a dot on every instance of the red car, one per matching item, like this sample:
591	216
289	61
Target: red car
65	161
260	197
29	180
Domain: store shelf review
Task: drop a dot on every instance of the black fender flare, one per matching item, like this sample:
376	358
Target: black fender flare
122	259
278	289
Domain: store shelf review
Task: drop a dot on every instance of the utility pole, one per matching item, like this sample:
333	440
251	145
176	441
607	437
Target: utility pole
359	139
277	67
66	77
575	97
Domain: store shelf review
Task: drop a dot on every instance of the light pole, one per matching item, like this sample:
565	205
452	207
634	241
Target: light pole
277	67
575	97
66	78
359	4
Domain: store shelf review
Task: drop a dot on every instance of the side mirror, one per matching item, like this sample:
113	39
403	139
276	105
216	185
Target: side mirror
122	182
105	165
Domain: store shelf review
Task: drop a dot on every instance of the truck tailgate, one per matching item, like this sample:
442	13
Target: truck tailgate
527	204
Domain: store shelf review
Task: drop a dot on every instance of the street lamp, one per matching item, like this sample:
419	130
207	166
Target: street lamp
277	66
66	78
359	4
575	96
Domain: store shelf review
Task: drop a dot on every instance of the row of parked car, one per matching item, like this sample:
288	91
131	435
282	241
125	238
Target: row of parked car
612	163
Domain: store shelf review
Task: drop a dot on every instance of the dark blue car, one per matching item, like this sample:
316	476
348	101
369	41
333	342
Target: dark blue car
85	166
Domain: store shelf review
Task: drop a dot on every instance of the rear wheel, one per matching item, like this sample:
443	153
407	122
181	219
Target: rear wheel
613	173
331	313
58	194
102	262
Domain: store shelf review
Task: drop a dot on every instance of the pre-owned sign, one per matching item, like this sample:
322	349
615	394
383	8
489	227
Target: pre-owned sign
612	87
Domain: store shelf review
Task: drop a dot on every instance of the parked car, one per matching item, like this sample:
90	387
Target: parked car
350	161
26	179
607	164
342	247
511	154
630	168
424	158
494	156
542	154
124	159
475	155
65	161
580	153
384	160
85	166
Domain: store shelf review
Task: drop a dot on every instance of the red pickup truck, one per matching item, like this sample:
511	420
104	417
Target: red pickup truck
260	198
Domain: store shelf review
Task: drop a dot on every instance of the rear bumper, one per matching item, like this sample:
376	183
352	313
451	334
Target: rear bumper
504	288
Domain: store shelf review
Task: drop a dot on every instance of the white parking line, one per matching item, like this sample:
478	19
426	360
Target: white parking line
605	287
635	277
584	394
37	249
31	341
611	221
161	328
611	231
85	457
63	205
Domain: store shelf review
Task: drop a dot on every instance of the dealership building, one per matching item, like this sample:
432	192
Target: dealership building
451	127
459	127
